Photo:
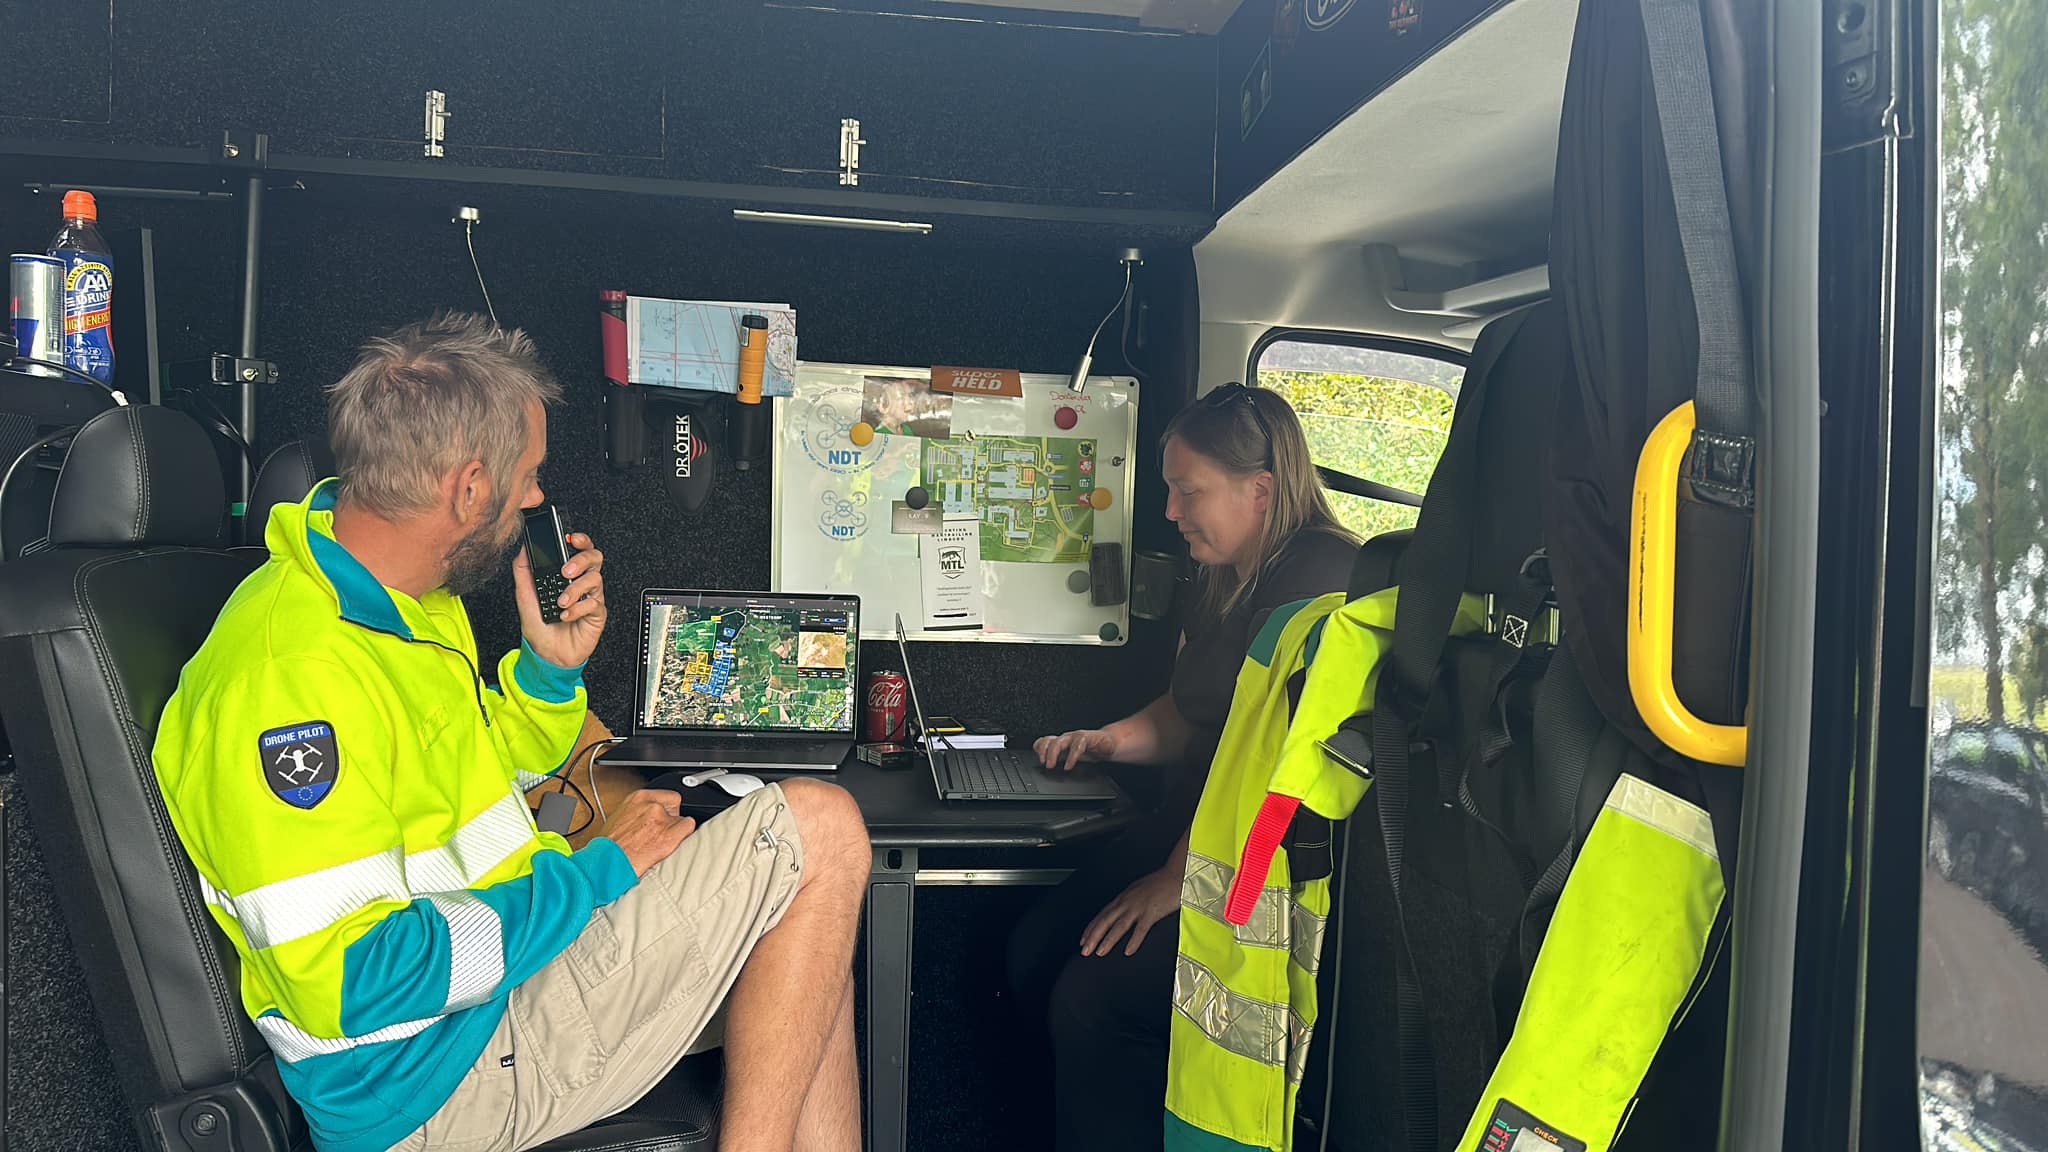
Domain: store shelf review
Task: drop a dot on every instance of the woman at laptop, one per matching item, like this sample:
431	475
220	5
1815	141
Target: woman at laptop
1098	951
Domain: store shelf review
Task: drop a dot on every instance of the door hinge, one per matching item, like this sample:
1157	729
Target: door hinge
1862	44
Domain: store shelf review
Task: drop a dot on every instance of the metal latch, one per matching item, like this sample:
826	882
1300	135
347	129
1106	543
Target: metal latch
849	152
221	368
437	122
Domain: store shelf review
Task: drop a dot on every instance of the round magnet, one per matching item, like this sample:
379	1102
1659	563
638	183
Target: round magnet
1077	580
1109	632
862	434
1065	417
917	497
1100	498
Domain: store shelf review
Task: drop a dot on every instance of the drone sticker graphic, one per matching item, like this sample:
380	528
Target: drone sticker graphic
842	517
828	428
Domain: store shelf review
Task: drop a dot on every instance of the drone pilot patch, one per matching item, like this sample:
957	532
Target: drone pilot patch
300	762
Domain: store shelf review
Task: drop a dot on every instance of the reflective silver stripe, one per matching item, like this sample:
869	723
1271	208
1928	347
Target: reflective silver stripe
528	781
476	848
286	910
1254	1029
293	1043
1305	941
1677	818
1278	919
476	949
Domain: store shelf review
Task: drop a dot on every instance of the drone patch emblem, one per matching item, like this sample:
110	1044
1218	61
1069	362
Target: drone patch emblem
300	762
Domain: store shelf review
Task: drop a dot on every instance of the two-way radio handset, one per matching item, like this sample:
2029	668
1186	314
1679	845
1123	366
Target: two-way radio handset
547	550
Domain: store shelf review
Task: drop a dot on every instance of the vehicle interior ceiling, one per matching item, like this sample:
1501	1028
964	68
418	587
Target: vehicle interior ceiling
1418	217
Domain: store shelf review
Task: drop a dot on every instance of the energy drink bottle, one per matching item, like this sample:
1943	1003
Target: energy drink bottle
88	289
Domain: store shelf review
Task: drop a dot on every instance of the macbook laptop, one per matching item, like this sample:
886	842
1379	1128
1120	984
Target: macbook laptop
743	680
994	773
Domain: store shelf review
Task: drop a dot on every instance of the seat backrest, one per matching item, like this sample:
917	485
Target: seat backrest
1378	560
37	414
285	477
1477	532
94	632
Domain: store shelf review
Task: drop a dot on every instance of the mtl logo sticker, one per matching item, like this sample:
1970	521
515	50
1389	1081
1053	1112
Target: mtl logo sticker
953	561
300	761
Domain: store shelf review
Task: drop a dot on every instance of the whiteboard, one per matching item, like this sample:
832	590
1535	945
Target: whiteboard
833	503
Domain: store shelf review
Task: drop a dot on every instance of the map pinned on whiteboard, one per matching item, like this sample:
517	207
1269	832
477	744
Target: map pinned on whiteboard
696	344
1014	503
1029	493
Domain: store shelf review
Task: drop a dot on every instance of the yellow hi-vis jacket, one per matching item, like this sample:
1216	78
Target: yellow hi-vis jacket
1624	945
1250	939
350	792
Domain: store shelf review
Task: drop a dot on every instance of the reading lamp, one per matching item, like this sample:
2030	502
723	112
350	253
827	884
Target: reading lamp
1131	258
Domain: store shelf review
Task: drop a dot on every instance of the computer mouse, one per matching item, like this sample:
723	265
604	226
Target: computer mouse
738	783
733	784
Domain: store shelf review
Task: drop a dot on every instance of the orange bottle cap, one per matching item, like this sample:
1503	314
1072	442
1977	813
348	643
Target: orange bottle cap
80	206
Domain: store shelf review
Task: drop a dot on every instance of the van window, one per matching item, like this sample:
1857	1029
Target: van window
1984	887
1373	413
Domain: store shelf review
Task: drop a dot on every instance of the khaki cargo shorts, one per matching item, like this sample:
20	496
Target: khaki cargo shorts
596	1029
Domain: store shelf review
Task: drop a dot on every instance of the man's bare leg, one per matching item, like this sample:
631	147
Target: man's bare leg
792	990
831	1120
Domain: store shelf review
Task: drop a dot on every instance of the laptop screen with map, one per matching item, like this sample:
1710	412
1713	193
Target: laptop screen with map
733	662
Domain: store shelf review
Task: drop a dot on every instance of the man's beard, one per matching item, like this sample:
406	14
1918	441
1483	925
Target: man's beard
480	555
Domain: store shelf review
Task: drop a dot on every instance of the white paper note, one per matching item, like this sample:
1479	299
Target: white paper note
952	572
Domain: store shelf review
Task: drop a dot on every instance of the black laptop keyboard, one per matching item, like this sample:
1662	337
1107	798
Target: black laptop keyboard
989	770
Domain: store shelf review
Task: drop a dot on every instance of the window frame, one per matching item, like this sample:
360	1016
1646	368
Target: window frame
1332	478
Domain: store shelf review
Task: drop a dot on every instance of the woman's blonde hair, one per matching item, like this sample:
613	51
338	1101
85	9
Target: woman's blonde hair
1245	431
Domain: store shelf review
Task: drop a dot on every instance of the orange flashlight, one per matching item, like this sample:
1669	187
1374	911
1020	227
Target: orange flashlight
753	356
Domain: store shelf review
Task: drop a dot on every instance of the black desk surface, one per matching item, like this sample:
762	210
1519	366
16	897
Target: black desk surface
903	810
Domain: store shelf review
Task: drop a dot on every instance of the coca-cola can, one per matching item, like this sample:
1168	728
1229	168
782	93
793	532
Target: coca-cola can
886	717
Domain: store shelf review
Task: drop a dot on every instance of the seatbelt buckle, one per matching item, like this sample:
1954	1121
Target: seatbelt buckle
1519	631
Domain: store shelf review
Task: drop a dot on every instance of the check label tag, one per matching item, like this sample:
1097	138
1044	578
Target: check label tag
1513	1129
300	762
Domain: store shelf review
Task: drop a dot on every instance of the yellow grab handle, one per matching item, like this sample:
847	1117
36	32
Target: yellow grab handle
1652	591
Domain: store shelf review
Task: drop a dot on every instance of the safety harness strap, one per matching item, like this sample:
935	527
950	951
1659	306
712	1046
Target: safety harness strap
1724	395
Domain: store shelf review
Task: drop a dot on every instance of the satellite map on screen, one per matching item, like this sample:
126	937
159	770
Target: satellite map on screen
761	666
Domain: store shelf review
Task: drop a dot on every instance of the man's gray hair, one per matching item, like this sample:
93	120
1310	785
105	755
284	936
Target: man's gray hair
429	397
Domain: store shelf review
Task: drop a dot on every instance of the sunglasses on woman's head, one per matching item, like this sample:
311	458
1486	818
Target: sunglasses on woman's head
1233	392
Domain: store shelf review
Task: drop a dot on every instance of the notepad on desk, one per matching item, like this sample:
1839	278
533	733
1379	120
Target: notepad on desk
962	735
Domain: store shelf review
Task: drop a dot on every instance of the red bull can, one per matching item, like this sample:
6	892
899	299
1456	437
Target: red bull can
37	288
887	715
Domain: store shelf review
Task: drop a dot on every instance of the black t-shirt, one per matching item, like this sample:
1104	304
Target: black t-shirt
1205	673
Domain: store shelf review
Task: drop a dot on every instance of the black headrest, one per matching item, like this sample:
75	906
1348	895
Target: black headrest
285	478
139	475
1378	560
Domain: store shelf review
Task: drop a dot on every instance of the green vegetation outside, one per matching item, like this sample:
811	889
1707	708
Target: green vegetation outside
1373	427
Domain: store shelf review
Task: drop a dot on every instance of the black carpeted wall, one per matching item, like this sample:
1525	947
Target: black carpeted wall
955	101
998	106
337	271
